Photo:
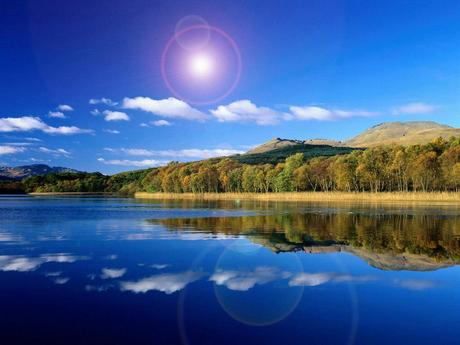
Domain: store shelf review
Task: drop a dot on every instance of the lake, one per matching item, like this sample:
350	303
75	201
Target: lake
96	270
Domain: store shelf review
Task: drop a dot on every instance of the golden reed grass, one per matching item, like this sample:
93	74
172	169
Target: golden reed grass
314	196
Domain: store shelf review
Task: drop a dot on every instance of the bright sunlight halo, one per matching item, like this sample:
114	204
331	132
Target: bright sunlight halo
201	65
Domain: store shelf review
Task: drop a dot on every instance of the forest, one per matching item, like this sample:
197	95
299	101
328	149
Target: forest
431	167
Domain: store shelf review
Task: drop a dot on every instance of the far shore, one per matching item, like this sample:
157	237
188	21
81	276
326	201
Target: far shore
429	197
68	193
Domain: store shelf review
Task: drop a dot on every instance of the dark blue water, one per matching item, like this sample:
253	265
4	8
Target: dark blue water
123	271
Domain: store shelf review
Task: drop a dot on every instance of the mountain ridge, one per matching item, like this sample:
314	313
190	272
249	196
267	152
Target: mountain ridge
402	133
385	133
20	172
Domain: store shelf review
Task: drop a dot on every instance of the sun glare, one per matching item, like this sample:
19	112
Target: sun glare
201	65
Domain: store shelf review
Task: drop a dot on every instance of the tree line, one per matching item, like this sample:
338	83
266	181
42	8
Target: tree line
431	167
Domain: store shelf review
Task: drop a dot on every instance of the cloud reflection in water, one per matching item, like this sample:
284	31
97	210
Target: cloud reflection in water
167	282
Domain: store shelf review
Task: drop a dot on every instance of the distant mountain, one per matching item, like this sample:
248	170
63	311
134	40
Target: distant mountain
402	133
20	172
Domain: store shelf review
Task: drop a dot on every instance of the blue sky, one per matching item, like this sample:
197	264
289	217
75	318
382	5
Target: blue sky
309	69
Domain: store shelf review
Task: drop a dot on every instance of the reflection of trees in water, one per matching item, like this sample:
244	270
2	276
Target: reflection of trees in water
434	236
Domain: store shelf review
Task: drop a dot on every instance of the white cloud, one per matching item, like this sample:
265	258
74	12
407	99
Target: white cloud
55	152
199	153
103	100
19	264
315	279
414	108
167	282
246	111
96	288
112	131
31	123
115	116
245	280
7	237
321	114
133	163
25	264
56	114
160	123
61	281
241	111
137	152
310	279
95	112
159	266
6	150
62	258
21	124
185	153
53	274
113	273
64	107
415	284
170	107
18	144
36	160
66	130
33	139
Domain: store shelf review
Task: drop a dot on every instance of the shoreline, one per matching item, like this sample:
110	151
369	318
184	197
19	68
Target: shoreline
68	193
436	197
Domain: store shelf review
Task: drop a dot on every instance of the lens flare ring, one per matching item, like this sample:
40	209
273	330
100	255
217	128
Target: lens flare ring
290	296
218	31
187	22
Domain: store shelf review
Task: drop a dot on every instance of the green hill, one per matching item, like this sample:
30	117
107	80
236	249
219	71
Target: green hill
279	155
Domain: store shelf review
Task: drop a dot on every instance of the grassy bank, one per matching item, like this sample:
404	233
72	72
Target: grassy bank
313	196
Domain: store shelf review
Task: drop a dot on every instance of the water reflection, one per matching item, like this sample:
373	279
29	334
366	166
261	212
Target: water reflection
167	282
131	272
25	264
386	240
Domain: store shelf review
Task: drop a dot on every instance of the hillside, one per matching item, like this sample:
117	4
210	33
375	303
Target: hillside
402	133
21	172
426	168
289	148
307	167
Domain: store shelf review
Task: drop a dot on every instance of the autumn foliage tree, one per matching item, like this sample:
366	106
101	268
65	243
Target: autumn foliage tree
431	167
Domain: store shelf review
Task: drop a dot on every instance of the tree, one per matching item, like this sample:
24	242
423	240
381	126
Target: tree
285	180
373	168
344	173
399	169
449	161
425	171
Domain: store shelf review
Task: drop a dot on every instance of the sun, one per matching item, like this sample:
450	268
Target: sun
201	65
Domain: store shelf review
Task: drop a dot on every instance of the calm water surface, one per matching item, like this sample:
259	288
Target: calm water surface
124	271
